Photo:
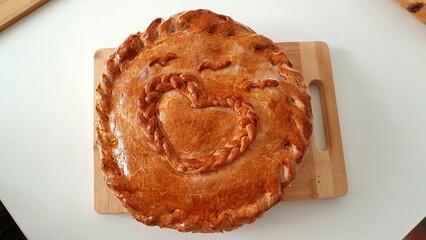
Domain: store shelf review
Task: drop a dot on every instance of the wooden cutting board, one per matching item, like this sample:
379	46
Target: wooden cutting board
13	10
322	173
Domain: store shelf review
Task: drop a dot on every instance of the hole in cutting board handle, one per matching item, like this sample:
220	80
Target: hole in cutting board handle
315	89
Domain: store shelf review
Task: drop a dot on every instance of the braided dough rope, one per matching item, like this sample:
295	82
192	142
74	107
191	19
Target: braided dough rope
188	86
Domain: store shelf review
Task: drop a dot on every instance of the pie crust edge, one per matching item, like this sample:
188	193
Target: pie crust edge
123	57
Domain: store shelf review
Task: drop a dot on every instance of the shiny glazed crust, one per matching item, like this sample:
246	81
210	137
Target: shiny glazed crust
201	123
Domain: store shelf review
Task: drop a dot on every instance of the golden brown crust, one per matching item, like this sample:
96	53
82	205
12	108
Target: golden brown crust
201	123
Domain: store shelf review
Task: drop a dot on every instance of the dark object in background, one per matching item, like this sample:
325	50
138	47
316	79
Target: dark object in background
8	228
418	232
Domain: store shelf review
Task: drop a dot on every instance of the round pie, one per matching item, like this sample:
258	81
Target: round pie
201	123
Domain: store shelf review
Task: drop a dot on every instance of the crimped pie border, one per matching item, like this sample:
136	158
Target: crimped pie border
123	57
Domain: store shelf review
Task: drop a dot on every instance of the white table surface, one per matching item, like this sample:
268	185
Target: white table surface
378	51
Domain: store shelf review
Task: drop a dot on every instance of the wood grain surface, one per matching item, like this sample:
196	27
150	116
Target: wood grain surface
322	173
415	7
13	10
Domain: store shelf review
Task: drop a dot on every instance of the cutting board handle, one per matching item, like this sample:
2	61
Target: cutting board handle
320	74
316	90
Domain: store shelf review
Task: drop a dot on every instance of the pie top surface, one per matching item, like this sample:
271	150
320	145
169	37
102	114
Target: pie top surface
201	123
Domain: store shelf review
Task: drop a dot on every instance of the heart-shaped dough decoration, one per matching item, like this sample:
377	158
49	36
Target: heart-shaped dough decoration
187	84
201	123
